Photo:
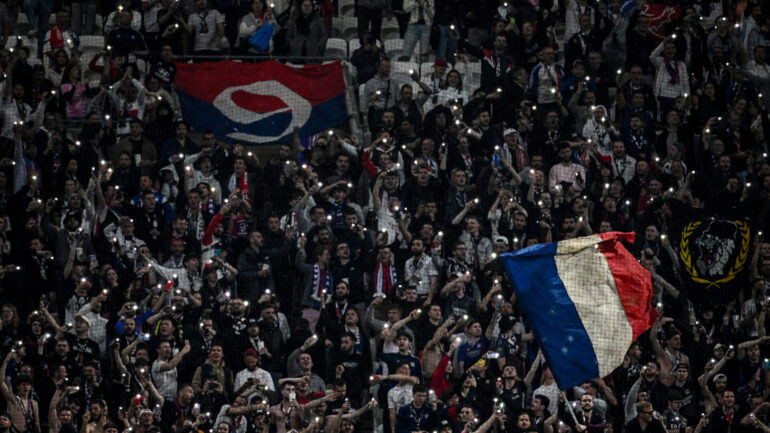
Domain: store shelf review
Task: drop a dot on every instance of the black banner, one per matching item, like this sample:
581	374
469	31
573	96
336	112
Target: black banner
714	255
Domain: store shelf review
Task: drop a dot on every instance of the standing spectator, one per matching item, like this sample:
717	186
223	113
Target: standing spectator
380	92
576	10
366	58
60	36
619	14
639	44
369	13
207	27
545	78
671	77
250	23
420	19
306	33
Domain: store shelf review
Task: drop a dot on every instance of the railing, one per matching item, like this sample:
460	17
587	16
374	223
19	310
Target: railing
298	60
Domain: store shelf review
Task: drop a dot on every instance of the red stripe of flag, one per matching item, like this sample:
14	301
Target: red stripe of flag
632	280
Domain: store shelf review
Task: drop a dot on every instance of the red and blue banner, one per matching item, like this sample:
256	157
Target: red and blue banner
261	103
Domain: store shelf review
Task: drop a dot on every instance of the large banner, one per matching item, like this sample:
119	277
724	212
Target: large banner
261	103
660	16
714	255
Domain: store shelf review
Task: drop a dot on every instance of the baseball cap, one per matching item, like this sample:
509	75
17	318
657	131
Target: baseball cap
719	376
440	62
250	352
83	318
501	240
509	131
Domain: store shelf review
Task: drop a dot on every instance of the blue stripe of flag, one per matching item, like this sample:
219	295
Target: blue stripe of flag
551	314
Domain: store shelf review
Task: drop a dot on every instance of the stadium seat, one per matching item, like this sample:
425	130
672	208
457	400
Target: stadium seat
476	71
360	95
30	43
353	45
349	28
393	48
400	71
88	53
96	41
336	47
426	68
389	29
347	8
336	28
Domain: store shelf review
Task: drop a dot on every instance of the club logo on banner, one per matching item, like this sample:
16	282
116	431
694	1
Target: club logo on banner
660	16
261	103
714	253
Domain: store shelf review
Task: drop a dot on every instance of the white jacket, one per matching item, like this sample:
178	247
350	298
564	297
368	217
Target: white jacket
412	7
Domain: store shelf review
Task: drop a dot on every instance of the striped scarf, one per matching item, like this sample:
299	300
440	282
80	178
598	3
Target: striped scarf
322	283
385	278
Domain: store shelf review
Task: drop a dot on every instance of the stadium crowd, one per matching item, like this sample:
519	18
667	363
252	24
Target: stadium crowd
155	279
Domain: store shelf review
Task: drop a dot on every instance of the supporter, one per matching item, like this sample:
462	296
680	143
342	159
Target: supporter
421	14
306	32
140	253
588	36
370	13
207	27
671	77
380	92
60	37
366	58
250	24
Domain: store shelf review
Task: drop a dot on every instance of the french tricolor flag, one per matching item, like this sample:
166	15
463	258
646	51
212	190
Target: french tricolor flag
586	299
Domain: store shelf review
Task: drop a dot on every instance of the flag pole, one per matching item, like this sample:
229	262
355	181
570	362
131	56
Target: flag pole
569	407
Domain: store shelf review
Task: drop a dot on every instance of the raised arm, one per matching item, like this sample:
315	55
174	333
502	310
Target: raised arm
533	369
400	324
7	394
169	365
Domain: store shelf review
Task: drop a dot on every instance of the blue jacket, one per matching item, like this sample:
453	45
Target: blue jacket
534	77
410	418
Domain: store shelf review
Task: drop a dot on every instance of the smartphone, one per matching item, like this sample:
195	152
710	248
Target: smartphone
292	396
493	355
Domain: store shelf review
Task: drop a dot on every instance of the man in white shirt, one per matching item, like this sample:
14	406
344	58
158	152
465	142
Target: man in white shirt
13	107
671	78
252	372
208	26
420	272
164	373
758	71
566	171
